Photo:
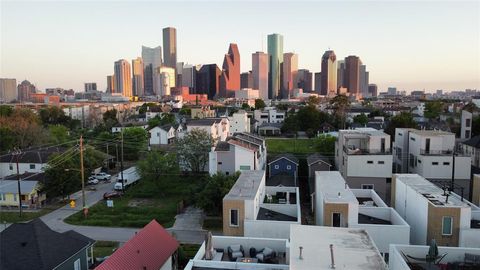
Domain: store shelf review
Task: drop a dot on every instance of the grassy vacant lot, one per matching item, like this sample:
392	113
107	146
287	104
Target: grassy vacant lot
141	203
104	248
294	146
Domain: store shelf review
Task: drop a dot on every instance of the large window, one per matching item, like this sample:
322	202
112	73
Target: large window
234	217
77	265
32	166
447	224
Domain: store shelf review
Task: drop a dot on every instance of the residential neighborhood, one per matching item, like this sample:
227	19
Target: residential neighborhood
121	149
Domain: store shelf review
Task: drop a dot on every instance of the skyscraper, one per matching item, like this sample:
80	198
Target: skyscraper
289	71
304	80
189	76
170	47
8	90
90	87
329	74
318	82
364	81
340	73
165	79
230	78
373	90
260	73
123	78
152	59
25	88
208	81
352	74
137	70
246	80
111	84
275	54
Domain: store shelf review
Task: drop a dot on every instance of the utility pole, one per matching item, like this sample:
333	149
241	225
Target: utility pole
82	174
17	153
121	165
452	184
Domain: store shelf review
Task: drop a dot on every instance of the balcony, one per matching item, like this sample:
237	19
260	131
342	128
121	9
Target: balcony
359	151
431	152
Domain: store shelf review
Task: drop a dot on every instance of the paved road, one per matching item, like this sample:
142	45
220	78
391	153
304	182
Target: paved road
187	227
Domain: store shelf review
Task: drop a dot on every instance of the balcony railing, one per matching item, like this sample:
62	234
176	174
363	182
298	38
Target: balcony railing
430	152
358	151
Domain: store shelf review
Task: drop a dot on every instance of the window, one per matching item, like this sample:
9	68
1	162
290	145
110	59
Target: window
467	133
412	160
289	167
446	163
412	139
419	161
367	186
10	167
447	223
381	162
2	197
369	161
244	167
15	197
276	167
400	134
32	166
234	217
77	265
227	173
219	163
434	163
467	122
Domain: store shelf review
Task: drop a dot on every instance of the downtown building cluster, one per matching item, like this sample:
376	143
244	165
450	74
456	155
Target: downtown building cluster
275	74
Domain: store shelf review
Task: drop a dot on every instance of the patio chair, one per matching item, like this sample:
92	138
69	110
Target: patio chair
234	252
266	255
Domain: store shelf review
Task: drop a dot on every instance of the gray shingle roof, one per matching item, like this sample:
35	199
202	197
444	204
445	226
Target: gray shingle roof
34	245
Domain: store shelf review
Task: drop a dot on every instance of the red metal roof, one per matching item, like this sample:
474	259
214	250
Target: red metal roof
149	249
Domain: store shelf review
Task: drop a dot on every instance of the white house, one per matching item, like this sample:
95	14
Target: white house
336	205
242	151
430	153
364	159
269	115
434	213
166	134
218	128
239	122
33	160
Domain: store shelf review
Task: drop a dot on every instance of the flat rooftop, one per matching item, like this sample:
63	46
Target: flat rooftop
246	186
352	248
365	131
333	187
430	191
430	132
267	214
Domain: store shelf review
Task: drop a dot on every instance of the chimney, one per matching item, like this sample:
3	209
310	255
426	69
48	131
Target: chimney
332	266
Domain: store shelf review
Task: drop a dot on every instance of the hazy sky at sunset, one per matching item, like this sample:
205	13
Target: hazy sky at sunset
412	45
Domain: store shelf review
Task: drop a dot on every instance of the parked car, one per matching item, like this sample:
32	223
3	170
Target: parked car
92	180
102	176
111	195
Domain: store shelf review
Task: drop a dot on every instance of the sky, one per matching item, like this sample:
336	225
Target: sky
412	45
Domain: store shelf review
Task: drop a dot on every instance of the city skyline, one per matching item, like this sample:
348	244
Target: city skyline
412	54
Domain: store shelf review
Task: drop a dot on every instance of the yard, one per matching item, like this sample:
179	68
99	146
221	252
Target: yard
294	146
12	216
141	203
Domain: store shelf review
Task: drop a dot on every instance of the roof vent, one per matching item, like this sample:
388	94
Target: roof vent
332	266
301	253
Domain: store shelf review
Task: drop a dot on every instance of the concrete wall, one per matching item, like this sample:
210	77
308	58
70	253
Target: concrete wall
244	157
413	208
268	228
379	184
358	166
434	226
368	193
330	208
233	230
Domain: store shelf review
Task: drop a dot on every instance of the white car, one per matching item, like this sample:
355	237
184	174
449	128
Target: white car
92	180
102	176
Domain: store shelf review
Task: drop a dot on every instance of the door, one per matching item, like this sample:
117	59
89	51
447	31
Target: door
336	219
427	146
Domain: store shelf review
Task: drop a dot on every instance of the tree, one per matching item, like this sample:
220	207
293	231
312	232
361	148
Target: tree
5	110
325	145
134	141
24	126
313	101
340	104
433	109
403	120
164	119
290	124
259	104
193	149
361	119
245	106
155	166
476	126
58	134
216	187
53	115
